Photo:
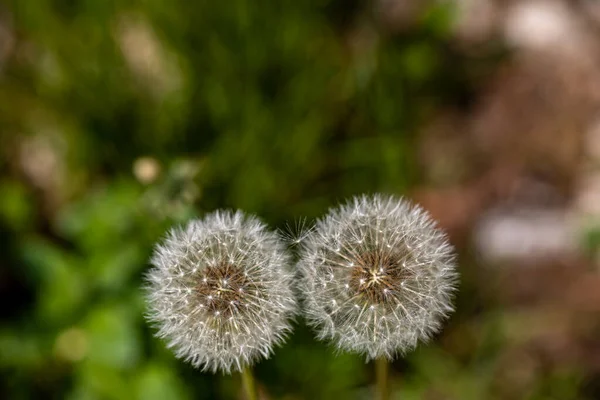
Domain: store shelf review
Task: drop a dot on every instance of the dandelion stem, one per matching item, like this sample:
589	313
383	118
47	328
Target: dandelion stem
249	384
381	372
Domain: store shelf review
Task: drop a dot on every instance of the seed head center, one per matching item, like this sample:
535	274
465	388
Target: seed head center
370	283
376	277
223	289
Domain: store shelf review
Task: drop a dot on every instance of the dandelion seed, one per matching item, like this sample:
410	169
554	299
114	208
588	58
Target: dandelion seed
394	276
220	291
295	234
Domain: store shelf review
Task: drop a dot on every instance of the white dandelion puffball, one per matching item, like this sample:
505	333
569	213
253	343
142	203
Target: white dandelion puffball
377	276
220	291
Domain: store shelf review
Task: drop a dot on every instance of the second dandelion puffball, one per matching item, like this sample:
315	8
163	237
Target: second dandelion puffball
220	291
377	276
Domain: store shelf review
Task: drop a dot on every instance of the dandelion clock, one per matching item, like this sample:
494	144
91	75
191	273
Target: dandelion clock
219	292
377	278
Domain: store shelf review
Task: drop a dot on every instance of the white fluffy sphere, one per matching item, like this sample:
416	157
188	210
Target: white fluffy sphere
377	276
220	291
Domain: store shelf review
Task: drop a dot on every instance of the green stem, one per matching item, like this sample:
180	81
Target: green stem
249	384
381	373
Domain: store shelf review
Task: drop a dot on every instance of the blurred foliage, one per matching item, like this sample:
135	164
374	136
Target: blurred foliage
119	119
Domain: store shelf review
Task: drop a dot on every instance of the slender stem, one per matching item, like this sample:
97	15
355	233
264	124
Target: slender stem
249	384
381	372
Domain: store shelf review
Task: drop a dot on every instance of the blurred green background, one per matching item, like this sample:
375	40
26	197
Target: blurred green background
120	119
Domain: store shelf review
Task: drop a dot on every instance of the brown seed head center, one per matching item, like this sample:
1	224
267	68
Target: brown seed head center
222	289
376	277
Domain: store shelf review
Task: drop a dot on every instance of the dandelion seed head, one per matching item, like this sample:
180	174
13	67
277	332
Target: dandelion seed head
393	276
219	291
